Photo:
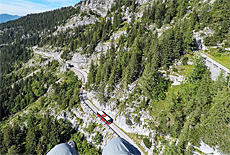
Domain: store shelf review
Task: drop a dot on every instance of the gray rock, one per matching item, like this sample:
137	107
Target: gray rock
99	6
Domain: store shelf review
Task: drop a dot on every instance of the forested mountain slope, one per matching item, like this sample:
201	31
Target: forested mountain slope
143	71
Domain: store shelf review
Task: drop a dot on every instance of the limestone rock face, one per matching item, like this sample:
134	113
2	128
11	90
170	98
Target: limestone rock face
99	6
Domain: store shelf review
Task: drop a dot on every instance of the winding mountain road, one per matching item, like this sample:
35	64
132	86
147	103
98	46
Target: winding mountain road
83	95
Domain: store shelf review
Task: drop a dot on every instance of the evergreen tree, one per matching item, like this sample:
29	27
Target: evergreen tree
91	75
7	139
30	141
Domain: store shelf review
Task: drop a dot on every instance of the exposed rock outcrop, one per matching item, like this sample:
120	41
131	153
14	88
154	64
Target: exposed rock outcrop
77	21
99	6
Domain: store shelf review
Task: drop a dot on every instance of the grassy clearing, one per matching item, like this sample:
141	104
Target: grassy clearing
221	58
185	69
157	107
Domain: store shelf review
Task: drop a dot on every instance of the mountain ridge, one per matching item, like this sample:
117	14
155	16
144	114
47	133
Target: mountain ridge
7	17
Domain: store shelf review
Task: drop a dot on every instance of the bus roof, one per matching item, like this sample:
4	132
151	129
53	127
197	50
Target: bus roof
107	118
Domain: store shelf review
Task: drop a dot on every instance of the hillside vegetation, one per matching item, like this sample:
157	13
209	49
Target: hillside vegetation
133	52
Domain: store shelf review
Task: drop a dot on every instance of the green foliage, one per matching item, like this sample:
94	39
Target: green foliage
191	109
24	92
41	135
210	41
197	108
31	142
12	57
184	60
87	37
66	56
216	122
147	143
91	75
32	23
18	35
218	19
199	70
160	13
67	93
153	85
97	138
128	122
83	146
91	127
175	150
137	120
171	149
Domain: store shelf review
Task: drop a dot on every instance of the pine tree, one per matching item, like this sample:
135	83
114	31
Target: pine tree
30	141
146	82
178	42
7	139
111	82
188	39
160	14
156	55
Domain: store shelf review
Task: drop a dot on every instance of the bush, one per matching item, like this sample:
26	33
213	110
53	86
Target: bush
143	104
137	120
220	50
210	41
91	127
128	122
147	143
97	138
218	55
174	69
184	60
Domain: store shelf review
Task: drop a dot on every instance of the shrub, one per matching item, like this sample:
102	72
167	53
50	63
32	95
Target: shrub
174	69
128	122
91	127
218	55
147	143
137	120
210	41
184	60
97	138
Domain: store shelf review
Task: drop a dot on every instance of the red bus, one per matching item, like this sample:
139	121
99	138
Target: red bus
83	86
107	119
